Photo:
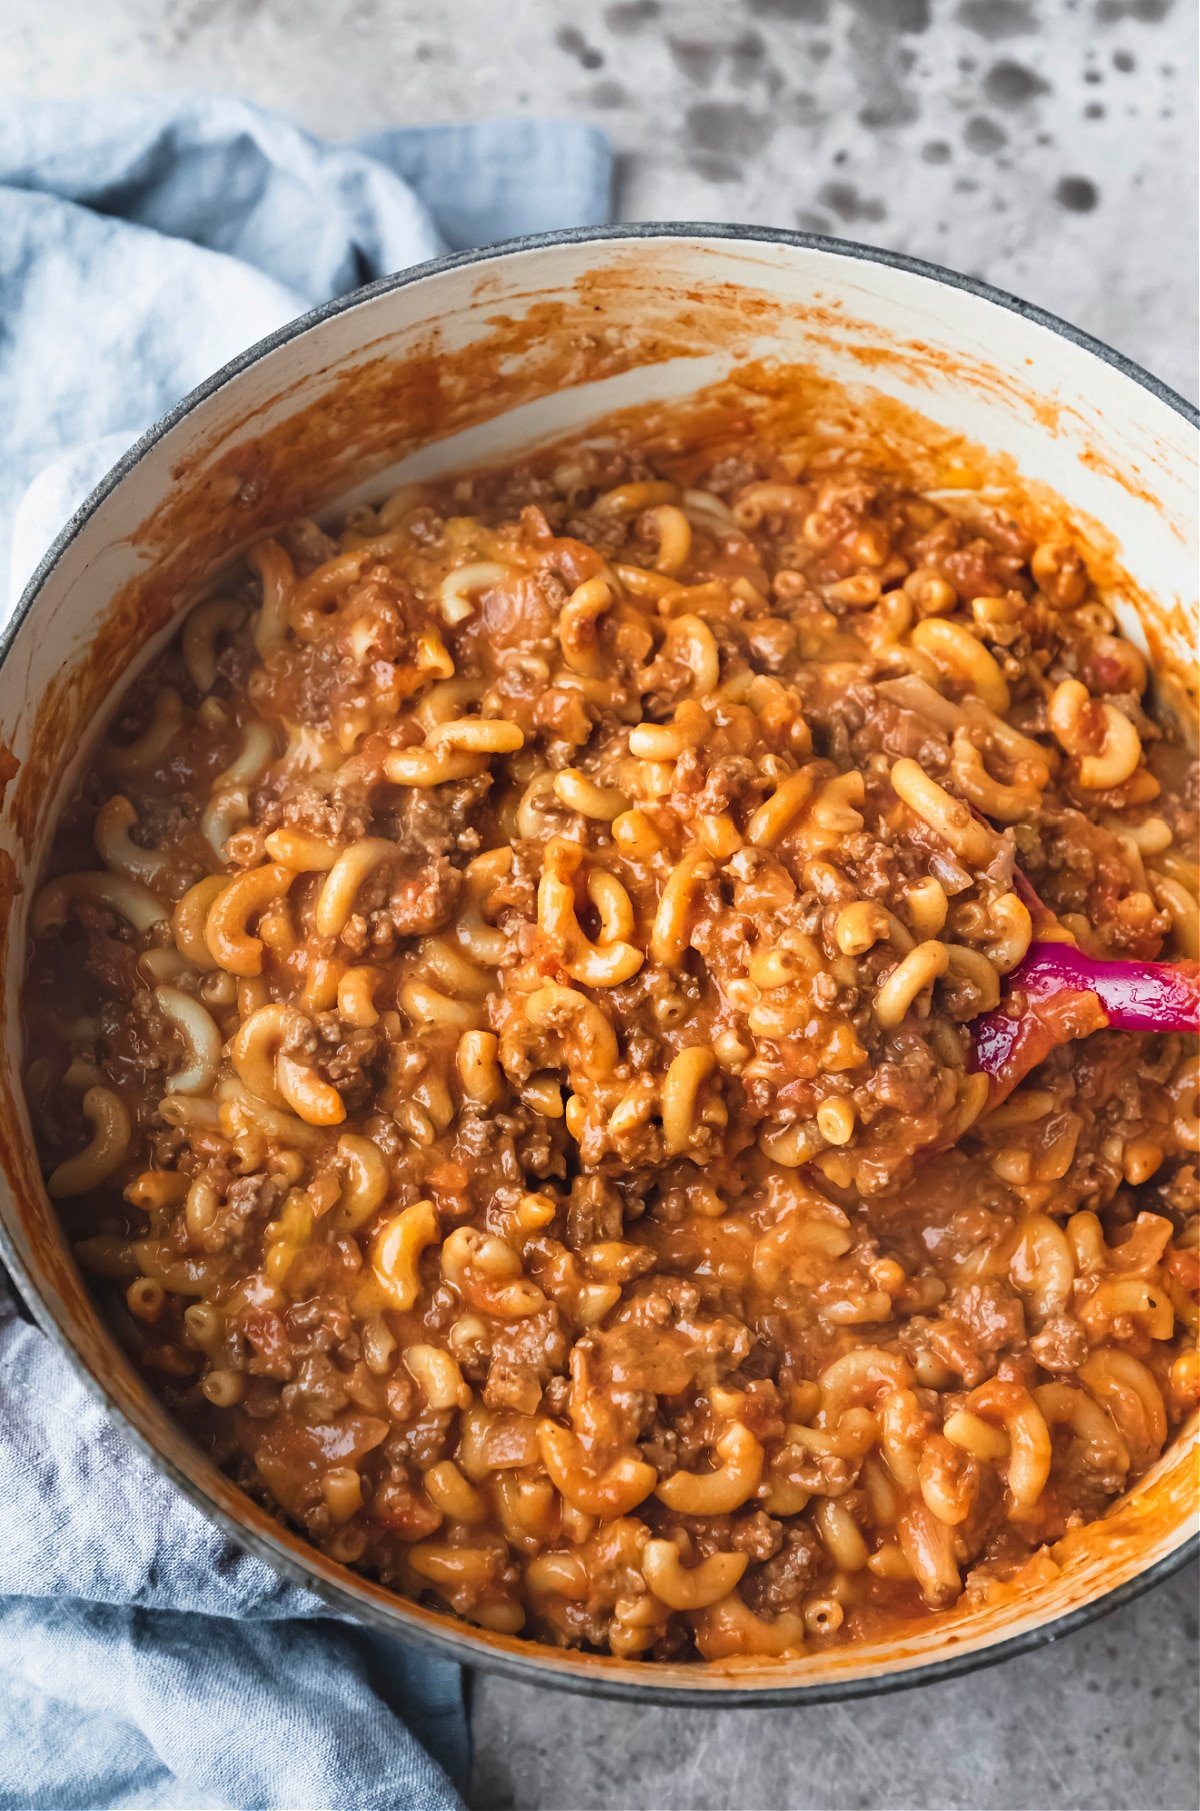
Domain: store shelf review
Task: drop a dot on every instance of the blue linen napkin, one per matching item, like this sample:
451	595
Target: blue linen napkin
146	240
145	1660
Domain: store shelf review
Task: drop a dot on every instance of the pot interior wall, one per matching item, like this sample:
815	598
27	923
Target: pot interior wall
478	362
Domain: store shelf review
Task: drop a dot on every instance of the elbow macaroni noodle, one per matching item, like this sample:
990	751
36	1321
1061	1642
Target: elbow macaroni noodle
507	1057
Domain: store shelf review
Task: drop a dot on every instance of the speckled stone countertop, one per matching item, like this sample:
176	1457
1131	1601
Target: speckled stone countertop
1047	145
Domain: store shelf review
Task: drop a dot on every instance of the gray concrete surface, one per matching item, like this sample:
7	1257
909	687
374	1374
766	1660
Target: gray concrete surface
1048	145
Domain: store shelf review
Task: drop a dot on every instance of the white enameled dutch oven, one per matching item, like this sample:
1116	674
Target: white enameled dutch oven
477	357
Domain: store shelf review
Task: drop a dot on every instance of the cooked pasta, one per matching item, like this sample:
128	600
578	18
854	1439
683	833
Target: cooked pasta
500	1036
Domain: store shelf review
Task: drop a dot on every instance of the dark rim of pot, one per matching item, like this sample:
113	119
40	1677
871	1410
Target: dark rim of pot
541	1665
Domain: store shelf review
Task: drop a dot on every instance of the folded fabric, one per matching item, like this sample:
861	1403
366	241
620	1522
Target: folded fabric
145	240
144	1659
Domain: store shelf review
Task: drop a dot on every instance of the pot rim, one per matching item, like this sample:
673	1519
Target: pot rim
450	1637
576	235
